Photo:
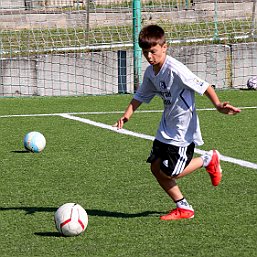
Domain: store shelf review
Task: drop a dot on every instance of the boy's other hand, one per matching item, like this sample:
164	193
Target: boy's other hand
119	124
226	108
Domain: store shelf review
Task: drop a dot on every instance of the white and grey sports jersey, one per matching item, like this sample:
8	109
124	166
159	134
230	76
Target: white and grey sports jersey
176	85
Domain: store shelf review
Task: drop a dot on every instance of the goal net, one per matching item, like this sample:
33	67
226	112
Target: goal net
79	47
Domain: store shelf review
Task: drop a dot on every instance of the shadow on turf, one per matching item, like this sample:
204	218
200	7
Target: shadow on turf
121	214
90	212
48	234
21	151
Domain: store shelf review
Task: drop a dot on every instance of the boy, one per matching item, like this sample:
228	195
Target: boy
179	131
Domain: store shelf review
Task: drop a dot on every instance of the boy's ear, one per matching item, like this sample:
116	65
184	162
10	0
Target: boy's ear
164	48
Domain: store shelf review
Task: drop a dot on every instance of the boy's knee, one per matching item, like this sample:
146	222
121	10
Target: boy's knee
158	173
155	167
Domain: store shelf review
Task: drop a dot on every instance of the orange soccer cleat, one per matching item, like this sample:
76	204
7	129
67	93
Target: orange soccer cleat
178	213
213	168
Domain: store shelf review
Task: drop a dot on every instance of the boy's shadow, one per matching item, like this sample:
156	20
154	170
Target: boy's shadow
90	212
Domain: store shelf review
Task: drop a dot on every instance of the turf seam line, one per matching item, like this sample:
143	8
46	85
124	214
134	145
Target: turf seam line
111	112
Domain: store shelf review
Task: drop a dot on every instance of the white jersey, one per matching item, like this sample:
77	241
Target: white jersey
176	85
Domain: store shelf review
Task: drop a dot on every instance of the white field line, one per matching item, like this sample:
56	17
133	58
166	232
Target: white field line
130	133
113	112
127	132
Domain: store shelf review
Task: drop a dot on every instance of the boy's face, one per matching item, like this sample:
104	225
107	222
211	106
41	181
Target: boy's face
156	54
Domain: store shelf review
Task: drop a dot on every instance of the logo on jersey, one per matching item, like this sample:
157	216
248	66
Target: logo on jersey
198	82
162	85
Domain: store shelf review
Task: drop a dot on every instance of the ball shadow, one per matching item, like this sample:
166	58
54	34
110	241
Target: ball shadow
21	151
48	234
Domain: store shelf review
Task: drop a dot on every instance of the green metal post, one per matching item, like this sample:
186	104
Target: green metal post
187	4
216	30
87	22
253	32
137	53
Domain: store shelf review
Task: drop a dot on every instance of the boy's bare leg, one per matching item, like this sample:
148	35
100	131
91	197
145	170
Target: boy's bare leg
195	164
169	183
184	210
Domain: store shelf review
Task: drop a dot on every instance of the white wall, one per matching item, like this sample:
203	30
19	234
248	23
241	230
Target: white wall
97	72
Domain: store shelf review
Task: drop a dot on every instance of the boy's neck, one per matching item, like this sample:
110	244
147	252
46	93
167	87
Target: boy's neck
157	67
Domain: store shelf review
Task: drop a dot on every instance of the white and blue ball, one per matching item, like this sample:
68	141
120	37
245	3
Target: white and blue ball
34	142
252	83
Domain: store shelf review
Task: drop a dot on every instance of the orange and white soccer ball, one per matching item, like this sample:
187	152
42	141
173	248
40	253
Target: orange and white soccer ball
71	219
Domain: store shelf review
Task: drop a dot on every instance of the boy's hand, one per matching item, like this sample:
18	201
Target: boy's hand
119	124
226	108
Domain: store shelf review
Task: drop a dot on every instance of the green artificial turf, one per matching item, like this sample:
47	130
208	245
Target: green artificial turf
106	173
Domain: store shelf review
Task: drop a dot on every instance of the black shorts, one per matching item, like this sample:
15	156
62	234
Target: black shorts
174	159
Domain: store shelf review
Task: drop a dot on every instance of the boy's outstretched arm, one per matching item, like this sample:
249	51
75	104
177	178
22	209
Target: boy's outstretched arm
133	105
223	107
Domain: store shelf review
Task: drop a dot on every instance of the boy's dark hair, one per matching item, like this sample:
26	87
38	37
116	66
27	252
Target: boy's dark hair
151	35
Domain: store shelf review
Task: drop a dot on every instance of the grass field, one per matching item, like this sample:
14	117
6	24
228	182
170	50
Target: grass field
107	174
